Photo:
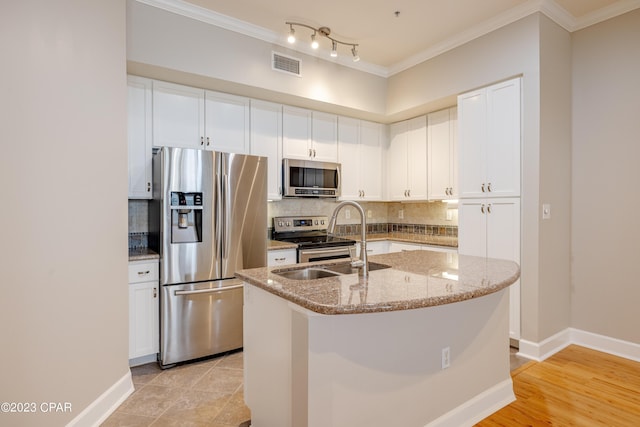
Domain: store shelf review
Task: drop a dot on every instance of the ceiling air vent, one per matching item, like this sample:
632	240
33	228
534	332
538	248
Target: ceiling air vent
286	64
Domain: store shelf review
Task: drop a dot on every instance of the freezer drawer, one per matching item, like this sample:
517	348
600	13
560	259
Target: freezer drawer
200	319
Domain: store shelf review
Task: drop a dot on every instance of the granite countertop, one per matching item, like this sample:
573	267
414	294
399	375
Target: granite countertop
416	279
273	245
143	254
423	239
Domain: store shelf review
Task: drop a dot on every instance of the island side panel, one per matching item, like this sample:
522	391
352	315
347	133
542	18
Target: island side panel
379	369
267	358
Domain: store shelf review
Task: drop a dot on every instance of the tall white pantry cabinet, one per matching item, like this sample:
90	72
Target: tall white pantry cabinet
489	138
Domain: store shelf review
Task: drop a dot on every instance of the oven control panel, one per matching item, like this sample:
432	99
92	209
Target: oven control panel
299	223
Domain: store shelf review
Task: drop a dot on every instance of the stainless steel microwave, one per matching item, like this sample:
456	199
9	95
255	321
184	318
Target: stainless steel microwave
310	178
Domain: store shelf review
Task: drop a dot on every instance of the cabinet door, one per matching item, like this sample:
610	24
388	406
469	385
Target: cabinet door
472	227
143	319
349	157
266	140
439	155
503	242
178	115
296	133
417	158
371	160
324	137
397	161
139	136
226	123
472	134
503	139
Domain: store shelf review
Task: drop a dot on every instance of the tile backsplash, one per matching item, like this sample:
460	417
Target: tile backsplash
382	217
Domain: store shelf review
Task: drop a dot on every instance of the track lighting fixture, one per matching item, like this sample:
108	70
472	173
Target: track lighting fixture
326	32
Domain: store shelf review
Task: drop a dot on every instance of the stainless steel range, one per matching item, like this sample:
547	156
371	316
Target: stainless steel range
310	234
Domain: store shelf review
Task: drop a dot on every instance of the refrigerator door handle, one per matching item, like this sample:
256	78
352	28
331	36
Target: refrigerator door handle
218	235
208	290
225	217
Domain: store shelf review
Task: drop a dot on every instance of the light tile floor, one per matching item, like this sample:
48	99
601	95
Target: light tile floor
205	393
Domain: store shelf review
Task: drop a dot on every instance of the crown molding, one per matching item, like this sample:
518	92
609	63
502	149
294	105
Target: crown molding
548	7
616	9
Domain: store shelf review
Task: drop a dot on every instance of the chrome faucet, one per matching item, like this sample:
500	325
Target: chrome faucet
362	265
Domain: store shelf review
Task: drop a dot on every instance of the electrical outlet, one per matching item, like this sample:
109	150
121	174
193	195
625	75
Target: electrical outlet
369	214
347	213
401	214
449	215
446	357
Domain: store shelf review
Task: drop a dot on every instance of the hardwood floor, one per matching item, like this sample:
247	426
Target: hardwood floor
575	387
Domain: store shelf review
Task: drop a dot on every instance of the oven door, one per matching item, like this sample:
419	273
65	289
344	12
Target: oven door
324	254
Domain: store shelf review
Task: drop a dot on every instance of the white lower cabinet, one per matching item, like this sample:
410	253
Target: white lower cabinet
491	228
144	311
281	257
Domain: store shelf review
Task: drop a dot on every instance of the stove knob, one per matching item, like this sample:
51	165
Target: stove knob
288	224
316	222
322	221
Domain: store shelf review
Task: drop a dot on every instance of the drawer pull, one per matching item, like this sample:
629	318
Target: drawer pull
141	273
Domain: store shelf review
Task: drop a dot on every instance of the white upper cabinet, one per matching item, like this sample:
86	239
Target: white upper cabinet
442	154
178	116
309	135
266	140
489	141
360	154
407	160
139	137
189	117
227	122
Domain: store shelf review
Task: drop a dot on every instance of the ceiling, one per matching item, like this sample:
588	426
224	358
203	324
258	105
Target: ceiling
392	35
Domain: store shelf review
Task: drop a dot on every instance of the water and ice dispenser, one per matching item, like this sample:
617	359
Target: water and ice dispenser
186	217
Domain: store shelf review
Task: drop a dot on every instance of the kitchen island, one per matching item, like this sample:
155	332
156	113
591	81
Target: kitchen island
423	342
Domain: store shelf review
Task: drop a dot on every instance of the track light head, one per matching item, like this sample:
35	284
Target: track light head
324	32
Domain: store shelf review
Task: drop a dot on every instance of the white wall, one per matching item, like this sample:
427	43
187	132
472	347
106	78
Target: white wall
63	168
606	149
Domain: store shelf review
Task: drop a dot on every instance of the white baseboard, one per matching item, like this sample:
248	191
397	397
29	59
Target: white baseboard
479	407
143	360
614	346
105	404
548	347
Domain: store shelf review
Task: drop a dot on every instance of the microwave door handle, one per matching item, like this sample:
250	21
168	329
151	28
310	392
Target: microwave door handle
337	180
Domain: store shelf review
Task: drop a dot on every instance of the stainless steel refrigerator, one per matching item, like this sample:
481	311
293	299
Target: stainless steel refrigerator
207	219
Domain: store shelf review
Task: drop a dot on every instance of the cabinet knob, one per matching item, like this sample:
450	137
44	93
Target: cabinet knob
483	187
155	293
314	152
482	208
489	187
202	140
489	208
208	141
148	186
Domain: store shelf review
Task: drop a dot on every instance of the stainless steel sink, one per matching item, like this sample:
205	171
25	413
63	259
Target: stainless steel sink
323	271
345	267
308	273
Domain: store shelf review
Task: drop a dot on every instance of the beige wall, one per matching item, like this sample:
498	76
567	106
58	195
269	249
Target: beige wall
552	312
606	149
63	170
